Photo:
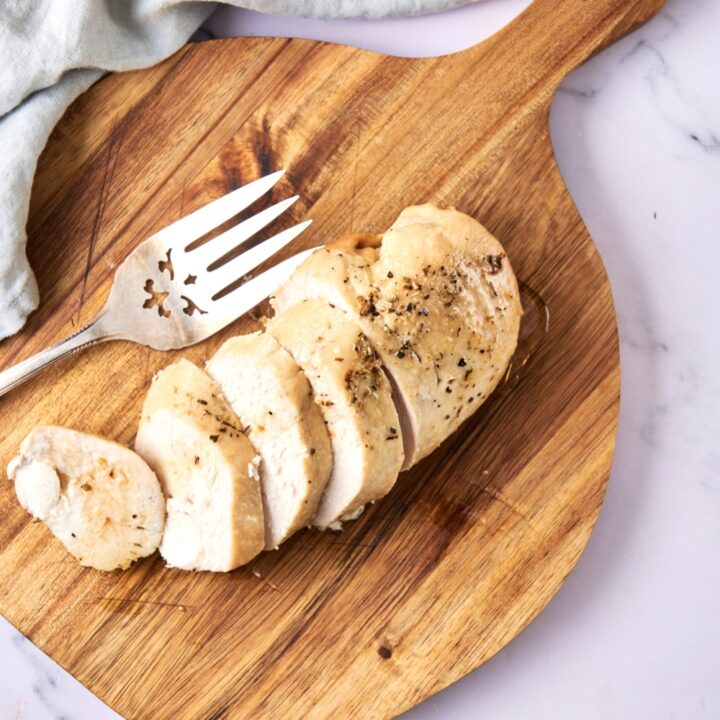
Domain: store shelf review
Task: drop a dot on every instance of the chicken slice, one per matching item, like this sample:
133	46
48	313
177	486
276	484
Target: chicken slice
273	399
208	470
355	398
98	498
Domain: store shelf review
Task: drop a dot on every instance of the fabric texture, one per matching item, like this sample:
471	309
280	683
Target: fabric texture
53	50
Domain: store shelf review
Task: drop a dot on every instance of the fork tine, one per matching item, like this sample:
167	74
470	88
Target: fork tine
248	295
193	226
218	247
227	274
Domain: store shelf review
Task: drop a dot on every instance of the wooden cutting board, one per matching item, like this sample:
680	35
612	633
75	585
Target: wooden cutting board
475	540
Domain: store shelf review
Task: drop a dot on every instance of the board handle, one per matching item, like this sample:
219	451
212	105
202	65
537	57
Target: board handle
550	38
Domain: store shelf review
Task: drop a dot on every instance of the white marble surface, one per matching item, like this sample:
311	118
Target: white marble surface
635	632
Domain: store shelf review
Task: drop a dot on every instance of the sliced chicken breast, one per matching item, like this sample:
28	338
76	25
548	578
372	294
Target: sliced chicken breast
437	297
273	399
208	470
354	396
98	498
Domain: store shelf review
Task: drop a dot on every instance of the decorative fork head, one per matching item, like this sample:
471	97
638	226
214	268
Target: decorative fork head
166	296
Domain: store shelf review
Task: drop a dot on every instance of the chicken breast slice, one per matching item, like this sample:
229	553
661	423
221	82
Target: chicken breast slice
208	470
273	399
100	499
354	396
438	299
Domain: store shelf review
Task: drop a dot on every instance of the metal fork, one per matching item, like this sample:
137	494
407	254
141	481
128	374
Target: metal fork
166	296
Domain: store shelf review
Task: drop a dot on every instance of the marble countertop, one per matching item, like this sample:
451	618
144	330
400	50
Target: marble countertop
635	631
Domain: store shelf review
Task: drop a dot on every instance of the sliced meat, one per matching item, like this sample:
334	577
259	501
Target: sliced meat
355	399
98	498
274	401
208	470
438	299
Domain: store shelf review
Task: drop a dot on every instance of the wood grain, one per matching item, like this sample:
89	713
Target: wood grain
475	540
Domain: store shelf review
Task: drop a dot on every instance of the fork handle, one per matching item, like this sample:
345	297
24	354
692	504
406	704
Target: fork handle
17	374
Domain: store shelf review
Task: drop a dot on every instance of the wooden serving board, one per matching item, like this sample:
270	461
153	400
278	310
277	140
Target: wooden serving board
474	541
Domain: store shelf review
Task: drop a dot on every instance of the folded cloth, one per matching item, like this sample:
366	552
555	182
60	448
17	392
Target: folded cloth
53	50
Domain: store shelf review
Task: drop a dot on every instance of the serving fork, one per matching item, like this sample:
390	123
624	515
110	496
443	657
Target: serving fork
170	293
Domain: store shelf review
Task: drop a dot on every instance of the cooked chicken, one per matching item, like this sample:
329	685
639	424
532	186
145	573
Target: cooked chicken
381	346
438	299
98	498
355	398
208	469
273	399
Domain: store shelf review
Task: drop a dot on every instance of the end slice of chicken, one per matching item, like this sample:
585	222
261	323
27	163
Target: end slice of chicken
208	470
273	399
100	499
438	299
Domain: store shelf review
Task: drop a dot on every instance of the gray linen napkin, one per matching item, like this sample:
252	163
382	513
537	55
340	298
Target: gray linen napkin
53	50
